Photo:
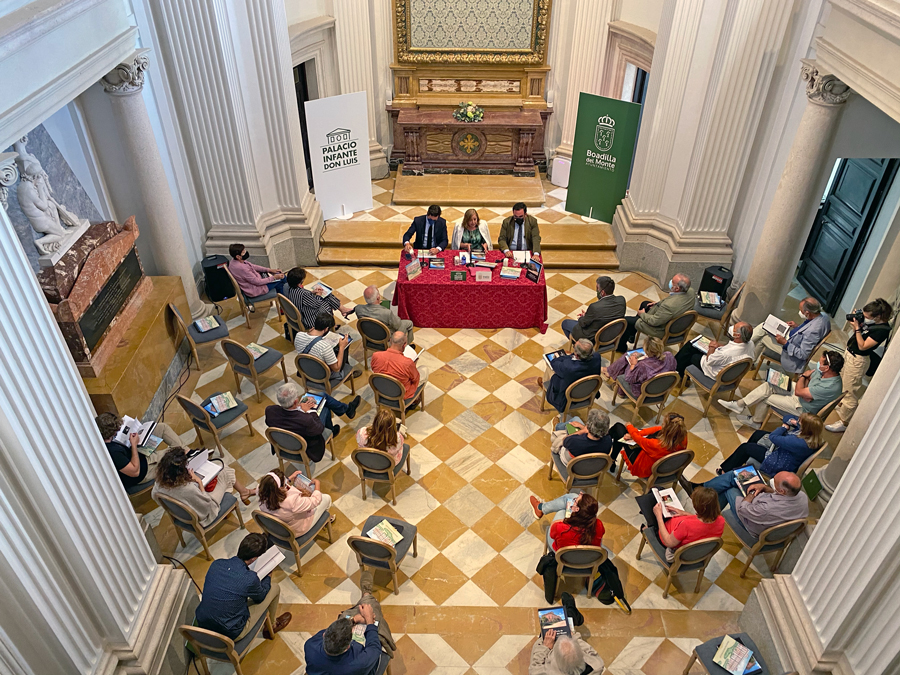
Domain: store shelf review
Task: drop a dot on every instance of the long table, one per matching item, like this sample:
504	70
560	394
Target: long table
432	300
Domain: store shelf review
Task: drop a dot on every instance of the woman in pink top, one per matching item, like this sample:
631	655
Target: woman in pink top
383	435
298	508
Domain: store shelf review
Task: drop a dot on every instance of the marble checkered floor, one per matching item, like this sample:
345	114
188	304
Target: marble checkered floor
479	449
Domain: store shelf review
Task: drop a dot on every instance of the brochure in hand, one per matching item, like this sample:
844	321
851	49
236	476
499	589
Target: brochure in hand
775	326
747	476
198	462
668	500
133	426
386	533
267	562
554	618
304	483
701	343
410	353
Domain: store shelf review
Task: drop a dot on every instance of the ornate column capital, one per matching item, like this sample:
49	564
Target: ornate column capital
127	78
822	88
9	174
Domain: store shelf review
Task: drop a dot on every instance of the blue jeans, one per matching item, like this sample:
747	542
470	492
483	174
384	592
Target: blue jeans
568	325
277	285
726	487
562	425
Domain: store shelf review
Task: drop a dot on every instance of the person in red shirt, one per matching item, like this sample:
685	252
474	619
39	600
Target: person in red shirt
683	528
394	363
652	443
582	528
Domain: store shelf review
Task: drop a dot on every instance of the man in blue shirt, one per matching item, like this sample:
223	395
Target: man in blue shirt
430	232
797	348
229	588
567	369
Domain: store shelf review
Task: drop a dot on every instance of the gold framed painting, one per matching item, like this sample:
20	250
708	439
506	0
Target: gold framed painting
472	31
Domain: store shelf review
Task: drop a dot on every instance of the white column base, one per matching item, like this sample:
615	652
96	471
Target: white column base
378	161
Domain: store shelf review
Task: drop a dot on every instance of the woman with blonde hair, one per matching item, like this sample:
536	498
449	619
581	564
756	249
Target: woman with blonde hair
635	368
784	449
297	506
643	447
384	435
471	234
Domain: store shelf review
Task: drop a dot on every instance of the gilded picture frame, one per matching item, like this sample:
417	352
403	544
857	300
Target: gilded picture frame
535	54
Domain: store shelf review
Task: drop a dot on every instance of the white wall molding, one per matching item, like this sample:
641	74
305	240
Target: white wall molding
627	44
861	78
314	39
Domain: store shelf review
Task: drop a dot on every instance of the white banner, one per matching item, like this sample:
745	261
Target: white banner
338	128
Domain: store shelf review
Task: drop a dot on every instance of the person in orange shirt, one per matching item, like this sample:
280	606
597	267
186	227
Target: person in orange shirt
652	443
394	363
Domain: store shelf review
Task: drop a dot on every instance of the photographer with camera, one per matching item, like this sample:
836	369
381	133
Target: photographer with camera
870	329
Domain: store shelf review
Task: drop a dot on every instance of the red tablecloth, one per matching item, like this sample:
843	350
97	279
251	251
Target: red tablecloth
431	300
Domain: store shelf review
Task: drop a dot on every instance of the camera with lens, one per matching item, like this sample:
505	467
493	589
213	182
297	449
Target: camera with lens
857	316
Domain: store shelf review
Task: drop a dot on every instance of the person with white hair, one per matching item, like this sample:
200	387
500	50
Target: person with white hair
373	309
563	655
719	354
568	369
652	317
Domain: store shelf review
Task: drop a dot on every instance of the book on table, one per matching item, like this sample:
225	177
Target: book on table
198	462
220	403
413	269
701	343
554	618
424	254
776	327
746	476
267	562
326	289
485	263
522	256
385	533
256	350
709	299
410	353
478	256
778	379
734	657
436	264
668	500
143	430
510	272
319	400
205	324
548	358
533	270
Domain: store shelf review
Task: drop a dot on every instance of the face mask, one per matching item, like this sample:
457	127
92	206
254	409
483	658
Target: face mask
802	315
869	322
246	255
671	287
599	295
733	333
819	366
519	221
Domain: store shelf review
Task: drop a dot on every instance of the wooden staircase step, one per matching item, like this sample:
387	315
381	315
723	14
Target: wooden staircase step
581	259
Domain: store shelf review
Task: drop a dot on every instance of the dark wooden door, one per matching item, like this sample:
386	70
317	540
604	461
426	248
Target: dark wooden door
842	227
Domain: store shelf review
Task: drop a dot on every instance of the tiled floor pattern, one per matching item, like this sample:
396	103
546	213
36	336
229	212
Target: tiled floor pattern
479	449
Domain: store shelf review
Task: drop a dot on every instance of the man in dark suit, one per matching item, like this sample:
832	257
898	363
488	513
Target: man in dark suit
520	232
608	308
430	232
570	368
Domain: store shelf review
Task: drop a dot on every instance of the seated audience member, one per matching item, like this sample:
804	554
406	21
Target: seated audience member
430	232
234	598
783	449
683	528
797	348
373	309
333	651
812	391
867	336
471	234
337	358
607	309
299	508
564	655
133	467
310	303
636	370
249	276
652	317
582	528
764	506
589	438
568	369
394	363
718	355
296	413
175	480
520	232
383	435
650	444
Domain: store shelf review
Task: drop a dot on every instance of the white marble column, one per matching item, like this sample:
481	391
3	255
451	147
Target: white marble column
163	229
81	591
356	54
712	66
787	222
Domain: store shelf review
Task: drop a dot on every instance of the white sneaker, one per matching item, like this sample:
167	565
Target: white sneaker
837	428
733	406
748	421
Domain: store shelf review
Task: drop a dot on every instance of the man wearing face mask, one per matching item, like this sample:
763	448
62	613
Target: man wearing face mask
797	348
520	232
608	308
718	355
430	232
249	276
652	317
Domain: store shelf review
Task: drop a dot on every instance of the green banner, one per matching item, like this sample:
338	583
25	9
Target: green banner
601	155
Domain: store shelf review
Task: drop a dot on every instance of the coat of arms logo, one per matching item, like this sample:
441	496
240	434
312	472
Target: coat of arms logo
604	133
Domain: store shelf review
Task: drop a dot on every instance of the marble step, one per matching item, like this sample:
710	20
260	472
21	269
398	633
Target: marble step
389	257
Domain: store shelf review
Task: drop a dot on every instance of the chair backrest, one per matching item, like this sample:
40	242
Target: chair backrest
236	353
609	334
288	446
821	343
374	461
698	551
732	303
679	326
801	471
312	368
389	388
275	528
669	468
829	407
179	511
213	644
734	372
581	557
585	467
583	390
237	289
291	313
782	533
196	412
179	323
364	547
658	385
374	331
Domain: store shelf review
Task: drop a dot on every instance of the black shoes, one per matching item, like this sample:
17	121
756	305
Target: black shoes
352	406
568	602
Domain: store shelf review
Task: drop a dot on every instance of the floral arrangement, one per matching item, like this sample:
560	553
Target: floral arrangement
468	112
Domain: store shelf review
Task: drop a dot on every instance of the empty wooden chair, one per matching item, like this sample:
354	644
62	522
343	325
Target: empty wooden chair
195	336
291	314
584	471
207	644
607	338
292	447
666	471
244	364
185	518
203	421
377	554
577	561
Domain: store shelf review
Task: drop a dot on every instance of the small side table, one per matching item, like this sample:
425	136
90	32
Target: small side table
705	653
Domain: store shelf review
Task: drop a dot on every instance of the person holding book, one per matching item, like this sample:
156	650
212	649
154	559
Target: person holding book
133	466
174	479
718	355
311	302
373	309
290	500
813	390
471	234
235	598
641	448
568	369
582	439
607	309
783	449
683	528
335	355
393	362
575	523
563	655
634	368
384	435
795	349
250	276
869	331
652	317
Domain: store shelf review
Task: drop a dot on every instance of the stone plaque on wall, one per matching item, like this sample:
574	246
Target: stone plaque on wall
111	298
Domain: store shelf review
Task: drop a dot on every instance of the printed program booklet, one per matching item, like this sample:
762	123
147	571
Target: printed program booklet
386	533
710	299
778	379
668	500
206	323
747	476
220	403
267	562
256	350
554	618
775	326
701	343
410	353
201	466
732	656
304	483
144	432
